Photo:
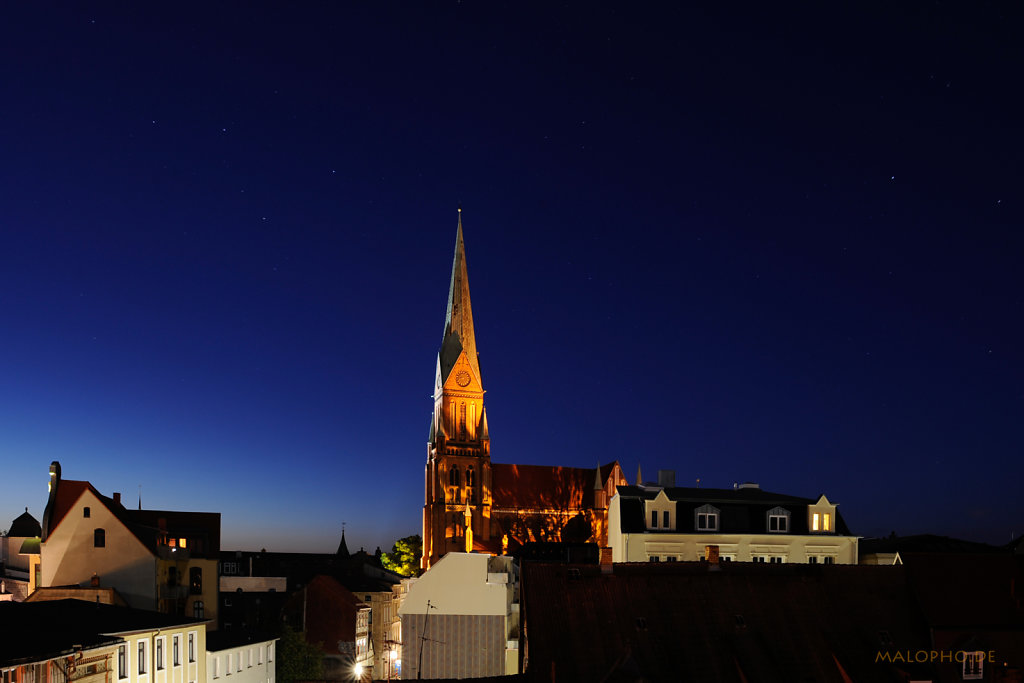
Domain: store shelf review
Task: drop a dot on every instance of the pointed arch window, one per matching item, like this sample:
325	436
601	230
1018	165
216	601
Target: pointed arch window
453	476
469	476
462	420
472	420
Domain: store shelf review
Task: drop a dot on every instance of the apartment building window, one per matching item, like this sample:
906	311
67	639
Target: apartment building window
826	522
175	657
159	654
778	520
654	519
813	559
216	667
197	609
195	580
122	661
192	647
99	538
706	518
974	666
231	660
829	559
142	657
664	519
654	558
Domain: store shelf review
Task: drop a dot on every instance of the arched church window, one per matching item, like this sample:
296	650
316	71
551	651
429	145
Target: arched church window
472	420
462	420
469	476
453	476
451	417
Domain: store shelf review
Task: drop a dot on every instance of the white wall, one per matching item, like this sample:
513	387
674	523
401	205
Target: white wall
249	663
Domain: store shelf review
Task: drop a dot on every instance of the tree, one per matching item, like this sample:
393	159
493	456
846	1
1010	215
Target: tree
404	557
297	660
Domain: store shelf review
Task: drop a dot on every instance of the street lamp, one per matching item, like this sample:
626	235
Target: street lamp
358	670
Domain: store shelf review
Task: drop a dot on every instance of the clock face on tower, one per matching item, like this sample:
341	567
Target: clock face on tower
462	378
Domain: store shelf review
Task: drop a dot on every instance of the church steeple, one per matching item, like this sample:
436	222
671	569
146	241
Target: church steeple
459	335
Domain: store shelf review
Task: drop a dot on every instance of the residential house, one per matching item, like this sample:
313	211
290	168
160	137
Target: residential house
233	657
328	614
156	559
659	523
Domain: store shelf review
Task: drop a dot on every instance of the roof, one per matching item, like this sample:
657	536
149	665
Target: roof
736	622
30	631
459	334
225	640
968	590
25	525
544	487
742	510
924	543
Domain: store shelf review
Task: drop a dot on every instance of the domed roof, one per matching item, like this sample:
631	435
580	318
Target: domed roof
25	525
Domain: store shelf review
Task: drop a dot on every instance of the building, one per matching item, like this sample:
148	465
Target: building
240	658
461	619
156	559
472	503
744	524
326	612
24	528
72	640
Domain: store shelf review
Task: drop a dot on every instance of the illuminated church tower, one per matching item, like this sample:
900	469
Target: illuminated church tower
458	470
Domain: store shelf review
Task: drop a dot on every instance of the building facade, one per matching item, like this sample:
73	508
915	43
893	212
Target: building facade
156	559
744	524
472	504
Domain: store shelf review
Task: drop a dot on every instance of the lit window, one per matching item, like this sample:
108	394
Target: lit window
99	538
707	518
826	522
815	521
974	666
182	542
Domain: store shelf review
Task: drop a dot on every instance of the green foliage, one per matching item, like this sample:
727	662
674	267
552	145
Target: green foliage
404	557
297	660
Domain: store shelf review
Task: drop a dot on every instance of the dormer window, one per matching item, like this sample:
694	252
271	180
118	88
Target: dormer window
821	521
706	518
778	520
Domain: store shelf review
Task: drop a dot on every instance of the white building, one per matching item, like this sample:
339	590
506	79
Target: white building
461	619
746	524
239	658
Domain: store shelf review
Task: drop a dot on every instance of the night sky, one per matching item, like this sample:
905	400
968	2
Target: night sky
747	243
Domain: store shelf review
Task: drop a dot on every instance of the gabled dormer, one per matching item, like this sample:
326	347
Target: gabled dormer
777	520
821	516
660	513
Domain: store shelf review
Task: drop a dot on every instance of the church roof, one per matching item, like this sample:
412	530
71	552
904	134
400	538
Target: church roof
544	487
25	525
458	320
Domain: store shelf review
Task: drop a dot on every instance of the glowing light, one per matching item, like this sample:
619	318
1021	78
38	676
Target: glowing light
359	670
393	654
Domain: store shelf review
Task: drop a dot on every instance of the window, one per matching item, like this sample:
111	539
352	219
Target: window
706	518
175	658
260	652
815	522
197	609
453	476
670	558
469	476
229	668
775	559
778	520
472	420
973	666
87	512
191	647
195	580
654	558
122	661
664	519
216	667
99	538
142	657
654	519
813	559
829	559
759	558
159	654
241	656
462	421
826	522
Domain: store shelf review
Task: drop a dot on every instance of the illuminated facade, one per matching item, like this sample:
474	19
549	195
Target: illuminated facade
471	504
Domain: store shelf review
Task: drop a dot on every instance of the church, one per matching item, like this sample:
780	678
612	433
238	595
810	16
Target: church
473	504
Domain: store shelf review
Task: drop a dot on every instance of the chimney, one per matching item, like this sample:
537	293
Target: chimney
666	478
117	497
95	580
711	554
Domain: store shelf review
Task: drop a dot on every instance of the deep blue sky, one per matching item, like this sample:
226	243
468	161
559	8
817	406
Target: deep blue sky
756	243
